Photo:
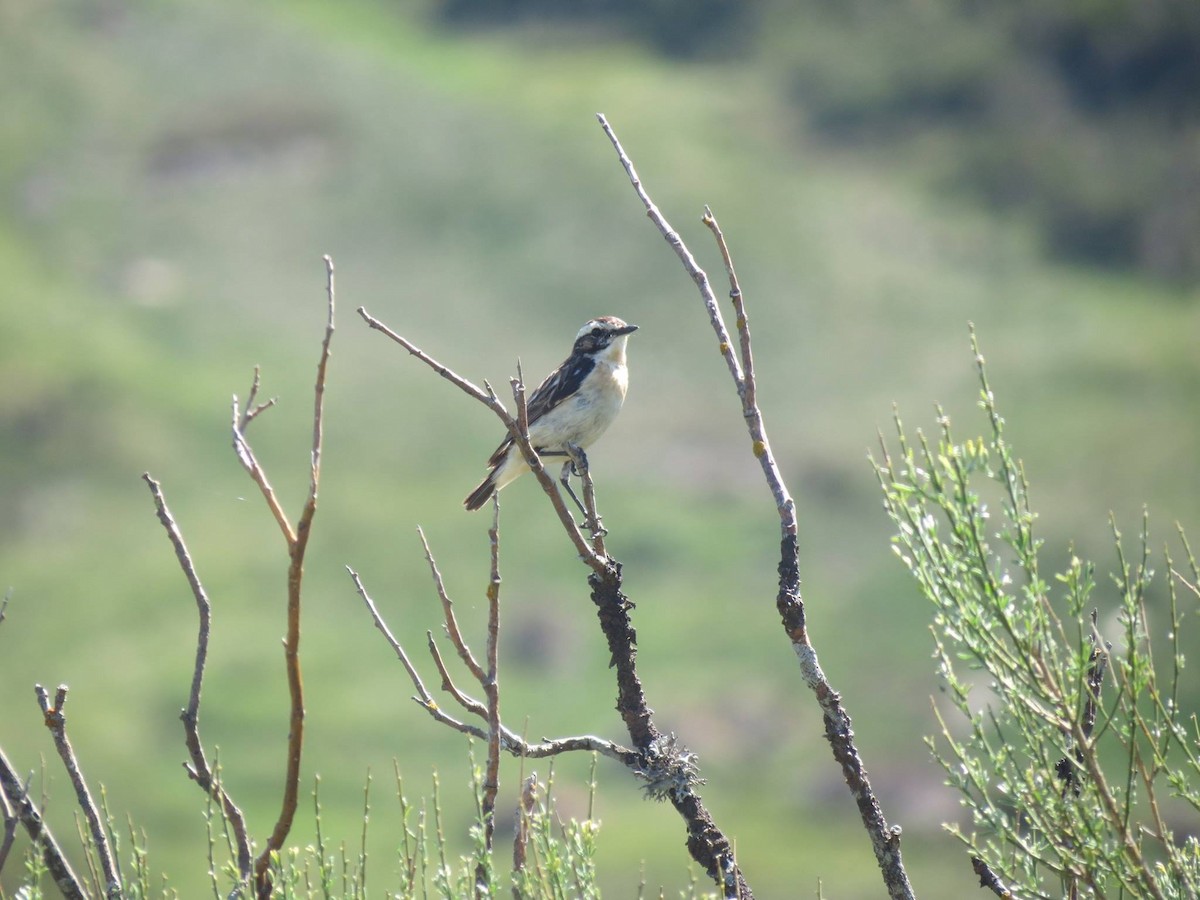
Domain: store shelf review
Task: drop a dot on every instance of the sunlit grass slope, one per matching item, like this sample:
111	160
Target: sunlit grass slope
172	174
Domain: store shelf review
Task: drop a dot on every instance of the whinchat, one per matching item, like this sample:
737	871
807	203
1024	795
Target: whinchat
570	409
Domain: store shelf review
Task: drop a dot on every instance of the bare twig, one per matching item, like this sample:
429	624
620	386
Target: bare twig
296	539
747	388
245	454
511	742
520	434
658	759
885	840
521	841
199	770
56	721
55	860
491	689
1187	584
10	828
297	545
254	408
425	696
468	703
452	630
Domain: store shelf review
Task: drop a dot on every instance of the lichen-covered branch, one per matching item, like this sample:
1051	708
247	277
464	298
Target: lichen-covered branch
667	768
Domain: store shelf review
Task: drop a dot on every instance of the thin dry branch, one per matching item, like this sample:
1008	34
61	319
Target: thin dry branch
511	742
10	828
55	860
521	840
424	696
747	388
885	840
491	690
297	545
296	539
519	432
199	770
253	407
56	720
1187	584
245	454
452	630
470	704
697	274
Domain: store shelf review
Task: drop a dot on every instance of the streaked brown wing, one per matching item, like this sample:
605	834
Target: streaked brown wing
557	387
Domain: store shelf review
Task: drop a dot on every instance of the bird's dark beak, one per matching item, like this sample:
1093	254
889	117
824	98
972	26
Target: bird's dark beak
628	329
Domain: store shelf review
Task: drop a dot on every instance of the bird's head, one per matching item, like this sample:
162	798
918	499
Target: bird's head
603	333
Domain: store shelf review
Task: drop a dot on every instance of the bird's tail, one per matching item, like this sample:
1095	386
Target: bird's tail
478	497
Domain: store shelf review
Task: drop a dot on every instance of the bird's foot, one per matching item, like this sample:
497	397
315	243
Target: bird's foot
594	526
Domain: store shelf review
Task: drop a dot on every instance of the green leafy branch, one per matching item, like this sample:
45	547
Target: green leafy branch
1067	753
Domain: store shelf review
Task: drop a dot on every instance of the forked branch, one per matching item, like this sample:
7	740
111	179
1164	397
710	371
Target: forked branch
296	538
510	741
56	720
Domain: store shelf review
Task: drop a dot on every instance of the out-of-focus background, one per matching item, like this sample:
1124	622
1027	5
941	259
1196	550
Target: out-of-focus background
170	175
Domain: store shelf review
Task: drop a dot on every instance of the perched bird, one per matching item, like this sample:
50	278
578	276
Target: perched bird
572	407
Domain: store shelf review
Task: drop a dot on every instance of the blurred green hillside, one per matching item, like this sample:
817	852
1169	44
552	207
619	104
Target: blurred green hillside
1082	116
171	174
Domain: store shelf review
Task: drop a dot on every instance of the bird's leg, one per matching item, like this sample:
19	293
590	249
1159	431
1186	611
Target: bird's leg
565	481
579	465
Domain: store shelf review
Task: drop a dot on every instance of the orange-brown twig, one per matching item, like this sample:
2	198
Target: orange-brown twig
297	542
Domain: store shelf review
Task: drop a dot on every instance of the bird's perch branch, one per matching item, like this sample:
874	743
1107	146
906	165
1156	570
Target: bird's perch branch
517	426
